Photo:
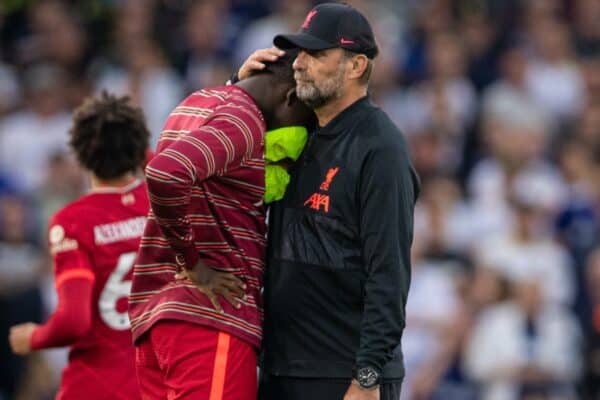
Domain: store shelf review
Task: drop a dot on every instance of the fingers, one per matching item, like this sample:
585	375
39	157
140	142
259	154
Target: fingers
225	288
251	66
231	299
217	280
229	287
12	339
234	289
183	275
180	276
248	68
270	54
19	338
226	284
256	61
233	283
213	299
234	279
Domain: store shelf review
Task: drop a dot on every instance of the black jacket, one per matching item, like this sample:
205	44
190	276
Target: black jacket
338	266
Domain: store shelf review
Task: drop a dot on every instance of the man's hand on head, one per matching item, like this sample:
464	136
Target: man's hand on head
256	61
213	283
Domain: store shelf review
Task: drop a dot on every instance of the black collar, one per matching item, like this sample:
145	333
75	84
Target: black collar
340	121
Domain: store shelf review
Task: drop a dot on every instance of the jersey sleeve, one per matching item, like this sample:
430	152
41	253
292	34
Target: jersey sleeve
72	318
226	139
69	255
389	183
74	280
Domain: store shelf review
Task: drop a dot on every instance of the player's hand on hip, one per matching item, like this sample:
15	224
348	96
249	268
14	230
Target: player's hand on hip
355	392
20	338
225	284
213	283
256	61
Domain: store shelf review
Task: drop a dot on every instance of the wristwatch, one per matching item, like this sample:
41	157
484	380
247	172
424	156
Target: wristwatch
367	377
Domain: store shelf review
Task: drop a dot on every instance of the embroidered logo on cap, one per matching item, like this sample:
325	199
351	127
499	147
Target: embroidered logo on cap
309	17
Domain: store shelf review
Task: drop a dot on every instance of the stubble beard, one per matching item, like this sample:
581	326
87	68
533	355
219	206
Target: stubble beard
318	96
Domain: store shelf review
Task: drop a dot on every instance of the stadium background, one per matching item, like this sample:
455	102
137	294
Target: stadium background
499	101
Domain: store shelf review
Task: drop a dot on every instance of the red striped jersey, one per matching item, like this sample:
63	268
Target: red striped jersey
96	238
206	187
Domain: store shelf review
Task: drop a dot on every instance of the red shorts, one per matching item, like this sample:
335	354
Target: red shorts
181	360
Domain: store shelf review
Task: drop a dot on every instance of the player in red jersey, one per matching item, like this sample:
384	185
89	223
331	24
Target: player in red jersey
93	242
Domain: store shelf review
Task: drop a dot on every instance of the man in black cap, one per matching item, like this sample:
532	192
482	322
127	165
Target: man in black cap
338	268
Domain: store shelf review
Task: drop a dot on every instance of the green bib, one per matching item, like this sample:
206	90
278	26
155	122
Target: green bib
281	144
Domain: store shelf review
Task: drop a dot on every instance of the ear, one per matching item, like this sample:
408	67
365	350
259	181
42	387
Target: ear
290	97
358	66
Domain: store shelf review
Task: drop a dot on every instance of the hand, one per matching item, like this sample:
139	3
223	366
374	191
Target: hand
256	61
20	338
355	392
213	283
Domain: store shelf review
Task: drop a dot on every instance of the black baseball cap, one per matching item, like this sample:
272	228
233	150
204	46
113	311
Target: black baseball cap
331	25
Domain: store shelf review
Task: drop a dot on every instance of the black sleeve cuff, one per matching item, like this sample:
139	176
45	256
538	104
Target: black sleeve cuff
233	79
364	365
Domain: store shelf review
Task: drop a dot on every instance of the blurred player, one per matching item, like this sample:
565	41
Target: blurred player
93	242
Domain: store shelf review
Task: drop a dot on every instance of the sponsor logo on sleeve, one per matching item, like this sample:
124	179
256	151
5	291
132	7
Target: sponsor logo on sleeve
59	242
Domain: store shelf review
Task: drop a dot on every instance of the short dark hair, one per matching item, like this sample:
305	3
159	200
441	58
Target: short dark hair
109	136
282	69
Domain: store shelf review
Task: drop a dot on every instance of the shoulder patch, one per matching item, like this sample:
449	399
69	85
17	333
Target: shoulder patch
59	242
56	234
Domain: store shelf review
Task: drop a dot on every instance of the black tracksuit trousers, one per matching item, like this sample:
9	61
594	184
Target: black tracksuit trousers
288	388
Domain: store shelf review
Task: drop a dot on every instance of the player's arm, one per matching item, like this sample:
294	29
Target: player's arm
70	321
74	282
387	183
220	145
256	62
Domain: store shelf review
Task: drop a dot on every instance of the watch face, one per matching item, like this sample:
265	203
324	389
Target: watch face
367	377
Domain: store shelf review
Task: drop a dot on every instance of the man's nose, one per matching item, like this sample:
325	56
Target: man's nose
299	62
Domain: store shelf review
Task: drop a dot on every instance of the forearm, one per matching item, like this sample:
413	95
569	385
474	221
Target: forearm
220	144
383	318
72	318
386	237
169	192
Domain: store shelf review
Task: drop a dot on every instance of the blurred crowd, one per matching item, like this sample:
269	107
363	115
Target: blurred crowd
499	101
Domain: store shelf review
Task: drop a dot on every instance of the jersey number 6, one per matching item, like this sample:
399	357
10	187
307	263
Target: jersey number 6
115	289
